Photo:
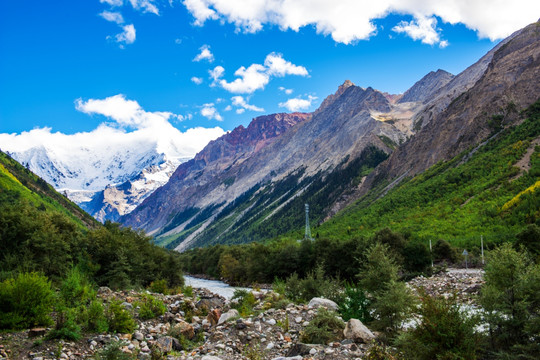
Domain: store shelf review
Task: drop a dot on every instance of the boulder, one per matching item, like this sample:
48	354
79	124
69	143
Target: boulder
185	329
228	315
210	303
37	332
213	317
165	344
357	332
318	302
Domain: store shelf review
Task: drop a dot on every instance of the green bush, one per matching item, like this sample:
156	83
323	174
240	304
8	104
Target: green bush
150	307
323	328
243	301
315	284
354	304
119	319
76	288
25	301
444	332
67	326
187	291
443	251
159	286
113	351
96	320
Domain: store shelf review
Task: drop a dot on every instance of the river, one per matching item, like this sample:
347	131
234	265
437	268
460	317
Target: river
215	286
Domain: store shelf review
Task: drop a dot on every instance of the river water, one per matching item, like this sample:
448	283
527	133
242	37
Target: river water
215	286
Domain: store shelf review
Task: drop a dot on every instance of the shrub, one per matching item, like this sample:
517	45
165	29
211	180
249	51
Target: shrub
323	328
315	284
150	307
354	304
25	301
444	332
96	320
443	251
416	257
188	291
119	319
76	288
243	301
66	325
113	351
159	286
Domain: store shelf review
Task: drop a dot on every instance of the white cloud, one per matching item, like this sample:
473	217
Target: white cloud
286	91
112	2
256	76
298	104
197	80
85	152
210	112
240	111
240	102
205	54
112	16
127	36
216	73
350	20
278	66
146	6
422	28
228	108
443	44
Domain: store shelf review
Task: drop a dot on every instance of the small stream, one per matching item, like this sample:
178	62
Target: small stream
215	286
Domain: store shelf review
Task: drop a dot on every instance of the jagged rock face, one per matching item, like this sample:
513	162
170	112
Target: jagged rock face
425	88
224	170
509	83
210	169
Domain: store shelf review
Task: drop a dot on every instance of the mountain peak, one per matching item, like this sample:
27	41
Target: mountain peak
329	100
427	86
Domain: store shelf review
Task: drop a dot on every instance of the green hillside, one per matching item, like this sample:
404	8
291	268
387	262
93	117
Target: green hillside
480	192
21	183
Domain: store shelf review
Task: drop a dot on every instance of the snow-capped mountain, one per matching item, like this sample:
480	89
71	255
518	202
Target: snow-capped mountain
106	178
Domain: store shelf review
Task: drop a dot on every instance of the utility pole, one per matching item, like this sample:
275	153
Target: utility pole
431	252
482	246
307	235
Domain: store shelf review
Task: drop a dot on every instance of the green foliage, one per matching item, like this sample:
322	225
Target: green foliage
76	288
380	352
150	307
66	325
159	286
253	351
323	328
511	300
443	251
95	317
187	291
113	351
529	238
119	318
379	269
354	304
243	301
443	332
315	284
25	301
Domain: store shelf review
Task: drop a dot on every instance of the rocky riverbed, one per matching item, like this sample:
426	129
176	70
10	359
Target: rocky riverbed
211	330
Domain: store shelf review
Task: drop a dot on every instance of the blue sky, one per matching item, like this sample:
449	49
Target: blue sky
60	61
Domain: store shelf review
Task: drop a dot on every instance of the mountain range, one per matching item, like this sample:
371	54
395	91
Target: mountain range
234	194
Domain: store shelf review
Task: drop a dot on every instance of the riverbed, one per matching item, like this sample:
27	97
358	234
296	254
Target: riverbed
215	286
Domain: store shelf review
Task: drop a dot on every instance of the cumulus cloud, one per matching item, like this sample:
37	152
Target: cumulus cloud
422	28
112	16
197	80
286	91
210	112
128	128
205	54
256	76
350	20
298	104
127	36
242	104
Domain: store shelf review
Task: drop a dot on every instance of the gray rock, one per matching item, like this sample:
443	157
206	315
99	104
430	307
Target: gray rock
165	344
228	315
137	335
210	357
357	332
210	303
318	302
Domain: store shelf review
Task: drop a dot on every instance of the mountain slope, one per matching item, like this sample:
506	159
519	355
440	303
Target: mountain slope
427	86
19	182
200	192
